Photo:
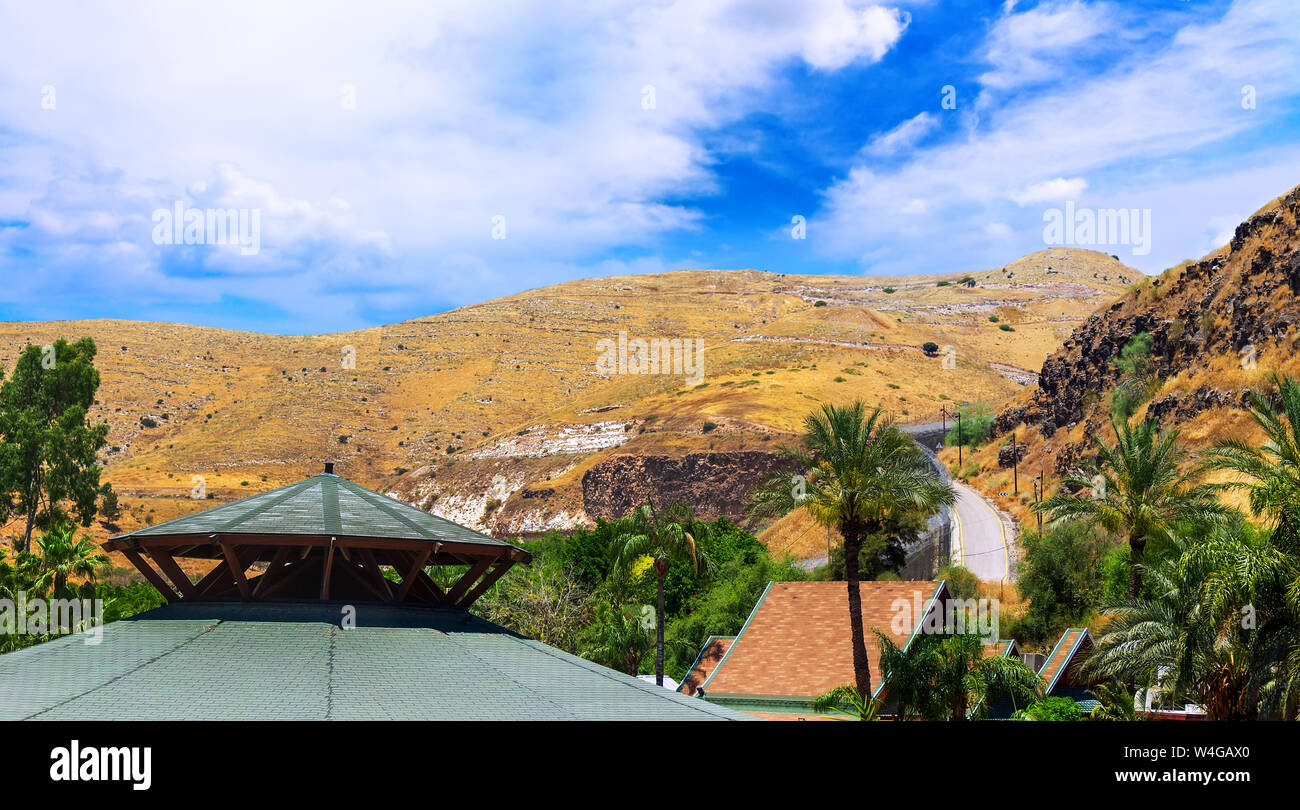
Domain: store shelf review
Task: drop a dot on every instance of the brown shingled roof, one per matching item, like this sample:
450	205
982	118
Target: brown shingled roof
1066	656
797	641
710	654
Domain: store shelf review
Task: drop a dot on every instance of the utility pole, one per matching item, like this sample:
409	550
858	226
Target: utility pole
1015	464
959	442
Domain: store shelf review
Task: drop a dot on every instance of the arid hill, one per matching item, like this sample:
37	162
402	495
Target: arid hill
498	415
1220	326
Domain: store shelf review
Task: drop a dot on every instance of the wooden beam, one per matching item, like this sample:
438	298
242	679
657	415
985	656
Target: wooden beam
376	576
424	584
358	575
325	572
209	580
485	583
150	574
293	572
277	565
236	569
174	573
462	585
409	579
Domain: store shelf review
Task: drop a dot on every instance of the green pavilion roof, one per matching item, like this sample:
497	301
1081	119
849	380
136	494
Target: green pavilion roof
293	661
323	505
324	537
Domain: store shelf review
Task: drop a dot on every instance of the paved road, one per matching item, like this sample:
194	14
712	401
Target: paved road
980	540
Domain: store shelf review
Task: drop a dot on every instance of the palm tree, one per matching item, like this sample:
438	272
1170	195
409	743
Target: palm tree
1264	577
666	536
1270	472
1115	702
64	555
848	702
1137	489
863	474
1177	640
618	639
947	677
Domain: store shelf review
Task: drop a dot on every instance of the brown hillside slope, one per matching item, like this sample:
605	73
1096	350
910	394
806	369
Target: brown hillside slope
496	414
1209	319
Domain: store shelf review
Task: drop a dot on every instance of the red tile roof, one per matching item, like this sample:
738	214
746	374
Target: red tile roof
797	642
710	654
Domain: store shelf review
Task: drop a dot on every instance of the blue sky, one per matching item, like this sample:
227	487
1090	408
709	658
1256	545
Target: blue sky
377	142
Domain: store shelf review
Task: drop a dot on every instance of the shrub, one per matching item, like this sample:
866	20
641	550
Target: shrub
708	427
930	348
1006	327
820	304
148	422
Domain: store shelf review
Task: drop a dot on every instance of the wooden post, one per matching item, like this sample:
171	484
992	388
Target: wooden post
325	573
462	585
174	573
409	579
150	574
236	569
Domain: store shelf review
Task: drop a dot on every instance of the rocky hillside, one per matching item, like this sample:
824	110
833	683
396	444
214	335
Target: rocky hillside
501	416
1219	327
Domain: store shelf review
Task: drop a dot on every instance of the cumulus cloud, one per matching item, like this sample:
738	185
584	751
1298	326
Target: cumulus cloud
1128	126
1050	190
378	141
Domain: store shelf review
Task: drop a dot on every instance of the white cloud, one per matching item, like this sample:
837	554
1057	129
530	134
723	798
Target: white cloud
463	111
1050	191
902	137
1029	46
1128	127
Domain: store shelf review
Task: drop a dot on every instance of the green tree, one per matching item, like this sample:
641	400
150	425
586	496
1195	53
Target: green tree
48	448
1052	709
1062	575
1115	702
1261	579
64	555
947	677
847	701
862	472
1173	640
1136	489
618	639
666	536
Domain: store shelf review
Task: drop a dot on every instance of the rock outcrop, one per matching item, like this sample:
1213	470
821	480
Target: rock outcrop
712	484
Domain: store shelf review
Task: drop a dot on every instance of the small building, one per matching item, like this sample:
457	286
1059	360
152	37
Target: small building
797	645
1061	672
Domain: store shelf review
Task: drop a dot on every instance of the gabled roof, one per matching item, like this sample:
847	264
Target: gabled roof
710	654
1073	646
797	644
292	661
324	505
1006	648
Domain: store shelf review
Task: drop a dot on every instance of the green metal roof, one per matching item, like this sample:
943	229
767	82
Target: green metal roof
292	661
323	505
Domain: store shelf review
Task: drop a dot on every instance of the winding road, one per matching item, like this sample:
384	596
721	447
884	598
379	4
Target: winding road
981	540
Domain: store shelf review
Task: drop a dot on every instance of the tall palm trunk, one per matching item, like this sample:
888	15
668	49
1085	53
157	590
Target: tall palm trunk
659	632
861	665
1137	546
